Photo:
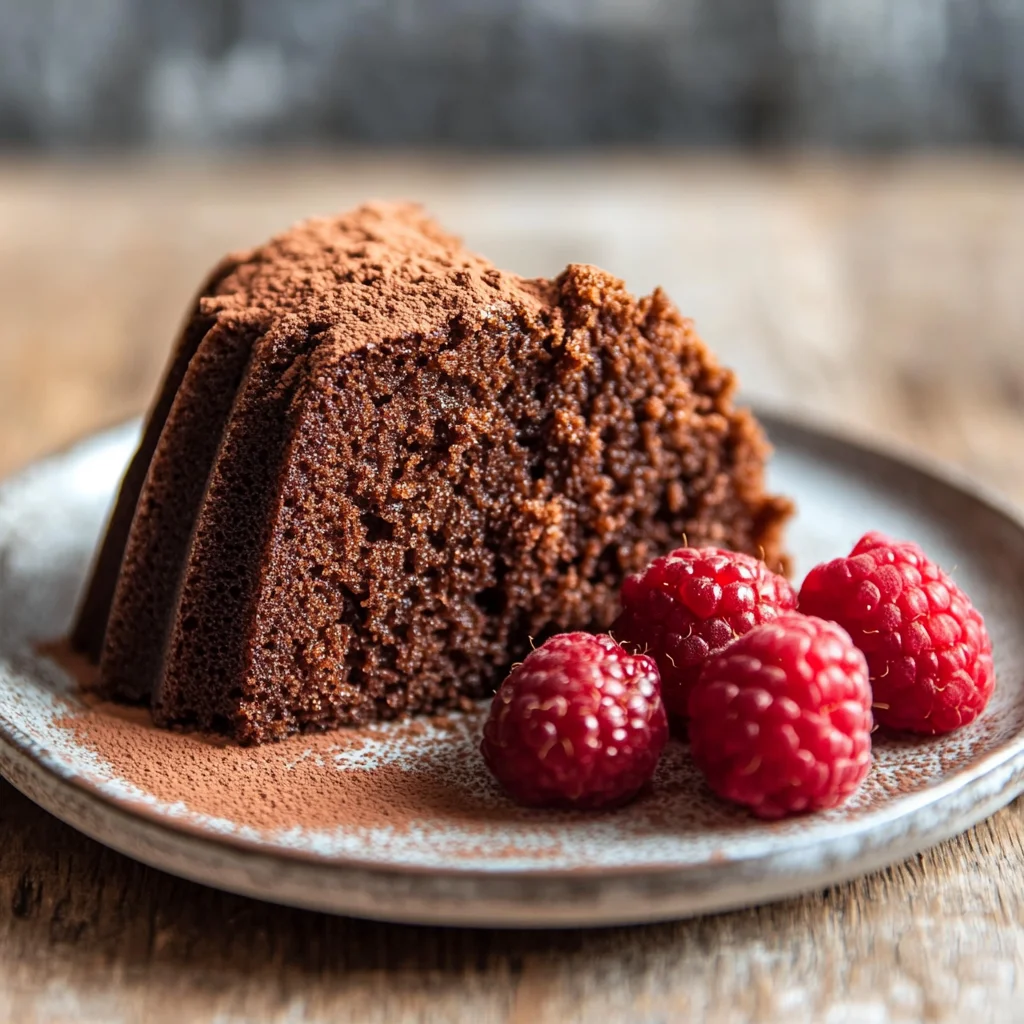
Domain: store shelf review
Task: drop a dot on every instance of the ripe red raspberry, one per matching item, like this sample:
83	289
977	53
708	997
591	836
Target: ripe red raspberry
579	723
781	719
689	604
927	648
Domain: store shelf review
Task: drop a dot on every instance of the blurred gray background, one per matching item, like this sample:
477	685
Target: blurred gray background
510	73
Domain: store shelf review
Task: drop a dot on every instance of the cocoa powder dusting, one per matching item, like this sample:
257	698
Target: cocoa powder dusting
382	271
423	782
322	781
268	788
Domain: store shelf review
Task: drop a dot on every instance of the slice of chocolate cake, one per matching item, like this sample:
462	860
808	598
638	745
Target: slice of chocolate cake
378	466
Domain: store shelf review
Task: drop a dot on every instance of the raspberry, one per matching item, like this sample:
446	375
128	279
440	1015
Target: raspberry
781	719
928	651
579	723
689	604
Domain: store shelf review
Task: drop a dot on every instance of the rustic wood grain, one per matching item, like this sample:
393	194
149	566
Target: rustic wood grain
882	294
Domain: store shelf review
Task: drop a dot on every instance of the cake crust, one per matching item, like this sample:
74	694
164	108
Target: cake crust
386	465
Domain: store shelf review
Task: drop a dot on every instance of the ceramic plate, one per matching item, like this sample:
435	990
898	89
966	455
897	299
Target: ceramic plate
402	823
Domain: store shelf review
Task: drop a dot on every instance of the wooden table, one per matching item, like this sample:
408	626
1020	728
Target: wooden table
883	294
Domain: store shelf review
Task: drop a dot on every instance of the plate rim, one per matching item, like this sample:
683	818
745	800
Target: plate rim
541	900
35	772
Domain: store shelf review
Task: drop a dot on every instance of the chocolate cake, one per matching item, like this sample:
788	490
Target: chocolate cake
378	466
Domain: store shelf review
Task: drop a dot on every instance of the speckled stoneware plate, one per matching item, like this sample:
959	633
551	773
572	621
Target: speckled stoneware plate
402	823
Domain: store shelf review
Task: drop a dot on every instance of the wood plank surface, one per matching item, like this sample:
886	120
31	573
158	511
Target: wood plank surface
884	295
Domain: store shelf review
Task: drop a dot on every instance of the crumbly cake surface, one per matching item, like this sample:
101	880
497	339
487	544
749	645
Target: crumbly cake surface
378	466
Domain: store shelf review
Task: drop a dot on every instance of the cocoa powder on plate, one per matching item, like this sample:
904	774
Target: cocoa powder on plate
297	781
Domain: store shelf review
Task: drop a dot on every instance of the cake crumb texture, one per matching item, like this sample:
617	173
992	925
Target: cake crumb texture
379	466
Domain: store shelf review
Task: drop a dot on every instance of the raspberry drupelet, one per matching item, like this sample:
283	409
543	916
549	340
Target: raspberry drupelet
927	648
578	724
780	720
687	605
